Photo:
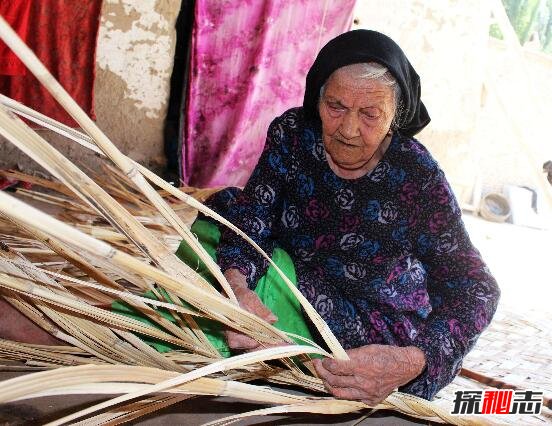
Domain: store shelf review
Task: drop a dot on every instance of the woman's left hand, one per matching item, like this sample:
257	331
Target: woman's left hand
372	372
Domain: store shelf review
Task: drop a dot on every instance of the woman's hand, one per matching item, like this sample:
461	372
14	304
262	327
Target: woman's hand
249	301
372	372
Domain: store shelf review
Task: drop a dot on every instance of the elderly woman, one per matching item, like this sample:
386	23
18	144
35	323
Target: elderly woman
371	226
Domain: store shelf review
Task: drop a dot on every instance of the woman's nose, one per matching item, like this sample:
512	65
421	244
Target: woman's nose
350	126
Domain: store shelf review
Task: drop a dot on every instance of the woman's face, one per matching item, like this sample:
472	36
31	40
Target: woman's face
356	116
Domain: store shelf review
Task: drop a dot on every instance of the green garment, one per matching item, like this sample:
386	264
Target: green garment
271	289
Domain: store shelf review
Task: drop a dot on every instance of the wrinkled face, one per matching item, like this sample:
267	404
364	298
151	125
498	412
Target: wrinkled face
356	116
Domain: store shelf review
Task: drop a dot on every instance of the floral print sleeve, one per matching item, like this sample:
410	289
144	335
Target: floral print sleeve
253	210
463	293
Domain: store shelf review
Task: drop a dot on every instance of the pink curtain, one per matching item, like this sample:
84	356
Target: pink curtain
248	65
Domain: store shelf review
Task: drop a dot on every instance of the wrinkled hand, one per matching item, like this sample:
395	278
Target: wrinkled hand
372	372
249	301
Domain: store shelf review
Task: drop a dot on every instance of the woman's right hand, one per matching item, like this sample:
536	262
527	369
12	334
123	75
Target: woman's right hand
249	301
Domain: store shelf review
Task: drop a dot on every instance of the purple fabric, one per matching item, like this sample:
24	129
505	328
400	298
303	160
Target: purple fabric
249	62
384	258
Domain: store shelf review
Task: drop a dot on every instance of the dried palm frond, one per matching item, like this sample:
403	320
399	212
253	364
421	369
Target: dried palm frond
111	238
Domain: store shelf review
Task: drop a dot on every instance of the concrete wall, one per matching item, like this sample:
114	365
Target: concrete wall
517	106
445	42
489	106
134	61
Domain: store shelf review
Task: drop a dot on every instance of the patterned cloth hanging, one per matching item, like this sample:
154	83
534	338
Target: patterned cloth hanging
17	14
63	35
248	65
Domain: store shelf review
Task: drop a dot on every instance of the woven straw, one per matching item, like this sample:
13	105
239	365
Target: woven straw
514	350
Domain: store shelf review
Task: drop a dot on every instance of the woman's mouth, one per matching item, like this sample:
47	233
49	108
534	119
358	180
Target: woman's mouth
346	143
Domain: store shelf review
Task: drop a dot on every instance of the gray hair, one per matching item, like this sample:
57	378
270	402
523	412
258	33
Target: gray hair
380	73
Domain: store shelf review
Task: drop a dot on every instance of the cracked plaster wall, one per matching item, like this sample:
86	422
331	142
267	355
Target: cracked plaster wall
134	60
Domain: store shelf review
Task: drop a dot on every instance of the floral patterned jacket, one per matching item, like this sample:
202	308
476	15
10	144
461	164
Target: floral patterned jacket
384	258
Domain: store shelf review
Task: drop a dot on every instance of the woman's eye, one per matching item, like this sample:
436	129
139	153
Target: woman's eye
371	115
336	107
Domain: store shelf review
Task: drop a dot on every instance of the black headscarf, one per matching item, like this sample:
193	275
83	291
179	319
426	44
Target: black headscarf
368	46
